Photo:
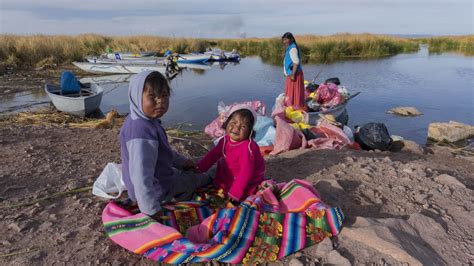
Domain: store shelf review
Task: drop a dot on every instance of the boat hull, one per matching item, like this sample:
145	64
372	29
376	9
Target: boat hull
78	106
336	111
117	68
193	58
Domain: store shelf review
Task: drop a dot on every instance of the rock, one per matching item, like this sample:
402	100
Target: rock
349	159
394	237
449	181
45	226
407	170
404	111
38	255
411	146
5	243
323	248
335	258
450	132
14	227
295	262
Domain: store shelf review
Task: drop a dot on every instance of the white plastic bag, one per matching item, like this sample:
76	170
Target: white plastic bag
109	181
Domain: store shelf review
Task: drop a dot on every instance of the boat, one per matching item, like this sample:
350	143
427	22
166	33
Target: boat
336	111
141	60
193	58
120	78
128	55
219	55
119	68
80	104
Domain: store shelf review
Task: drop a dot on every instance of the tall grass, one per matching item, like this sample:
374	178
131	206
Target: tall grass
460	44
38	50
325	48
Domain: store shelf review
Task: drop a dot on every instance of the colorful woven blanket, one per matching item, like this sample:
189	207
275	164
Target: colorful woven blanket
278	220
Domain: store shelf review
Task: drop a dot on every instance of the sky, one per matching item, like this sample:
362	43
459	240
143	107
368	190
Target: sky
236	18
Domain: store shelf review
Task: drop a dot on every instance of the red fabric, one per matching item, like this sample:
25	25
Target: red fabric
265	150
240	172
294	91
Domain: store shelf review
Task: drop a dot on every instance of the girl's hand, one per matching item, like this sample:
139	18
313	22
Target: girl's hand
189	165
292	77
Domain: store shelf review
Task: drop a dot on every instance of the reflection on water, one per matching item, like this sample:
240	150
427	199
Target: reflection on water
440	86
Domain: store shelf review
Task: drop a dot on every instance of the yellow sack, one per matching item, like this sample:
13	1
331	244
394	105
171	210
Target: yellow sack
295	116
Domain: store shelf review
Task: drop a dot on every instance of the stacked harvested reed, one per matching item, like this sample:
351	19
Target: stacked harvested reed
48	118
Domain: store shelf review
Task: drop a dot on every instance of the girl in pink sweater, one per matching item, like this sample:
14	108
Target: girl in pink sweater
240	166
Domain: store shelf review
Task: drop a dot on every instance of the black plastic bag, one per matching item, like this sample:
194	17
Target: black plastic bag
373	136
333	80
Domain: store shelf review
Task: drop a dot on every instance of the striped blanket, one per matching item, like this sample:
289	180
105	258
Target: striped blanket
278	220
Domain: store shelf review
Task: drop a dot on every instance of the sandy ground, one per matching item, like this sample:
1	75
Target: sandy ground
401	207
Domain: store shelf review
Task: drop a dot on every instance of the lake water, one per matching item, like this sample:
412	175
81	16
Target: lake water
440	86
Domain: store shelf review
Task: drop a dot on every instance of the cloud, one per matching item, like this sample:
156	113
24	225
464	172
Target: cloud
236	18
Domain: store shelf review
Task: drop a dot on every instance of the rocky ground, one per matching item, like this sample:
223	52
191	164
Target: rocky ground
414	206
400	207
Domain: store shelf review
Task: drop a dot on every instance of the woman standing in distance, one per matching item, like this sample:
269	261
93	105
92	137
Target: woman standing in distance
294	83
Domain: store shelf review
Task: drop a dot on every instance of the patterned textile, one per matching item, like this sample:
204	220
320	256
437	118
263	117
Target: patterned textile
279	220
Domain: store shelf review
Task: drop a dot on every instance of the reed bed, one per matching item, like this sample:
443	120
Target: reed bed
40	50
459	44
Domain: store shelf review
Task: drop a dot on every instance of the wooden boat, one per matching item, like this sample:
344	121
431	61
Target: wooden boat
81	104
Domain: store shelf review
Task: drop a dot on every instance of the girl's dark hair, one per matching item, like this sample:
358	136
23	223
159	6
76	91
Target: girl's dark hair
244	113
289	36
157	83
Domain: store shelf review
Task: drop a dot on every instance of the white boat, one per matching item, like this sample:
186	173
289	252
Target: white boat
194	66
193	58
141	60
219	55
118	68
120	78
128	55
80	104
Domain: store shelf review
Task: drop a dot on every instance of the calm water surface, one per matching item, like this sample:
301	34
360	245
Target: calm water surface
440	86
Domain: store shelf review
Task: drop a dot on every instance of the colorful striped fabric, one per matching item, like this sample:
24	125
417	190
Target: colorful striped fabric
278	220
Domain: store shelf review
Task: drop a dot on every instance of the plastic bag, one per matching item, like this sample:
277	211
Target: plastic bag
373	136
109	181
265	131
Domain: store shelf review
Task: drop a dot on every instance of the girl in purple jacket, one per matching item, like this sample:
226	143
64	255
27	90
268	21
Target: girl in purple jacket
152	172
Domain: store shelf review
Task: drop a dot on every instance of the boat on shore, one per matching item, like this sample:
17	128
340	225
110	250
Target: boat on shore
193	58
119	78
79	104
128	55
338	111
119	68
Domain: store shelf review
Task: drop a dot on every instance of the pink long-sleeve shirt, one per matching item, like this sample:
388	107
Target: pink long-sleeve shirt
239	172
